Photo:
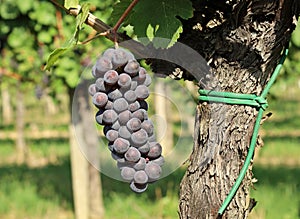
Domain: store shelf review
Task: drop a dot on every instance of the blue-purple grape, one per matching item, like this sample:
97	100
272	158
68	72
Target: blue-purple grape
132	154
124	132
111	77
124	80
103	65
148	126
153	171
144	149
120	105
121	145
139	137
127	173
134	124
142	92
121	57
132	67
112	135
100	99
109	117
141	114
155	150
140	177
114	94
124	117
134	106
138	188
130	96
141	164
92	89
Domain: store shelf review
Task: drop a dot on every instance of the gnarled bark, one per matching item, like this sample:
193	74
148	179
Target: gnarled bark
242	41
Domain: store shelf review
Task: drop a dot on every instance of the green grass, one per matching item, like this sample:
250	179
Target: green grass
280	148
277	192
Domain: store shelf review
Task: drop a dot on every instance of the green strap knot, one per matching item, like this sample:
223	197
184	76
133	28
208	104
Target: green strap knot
260	103
233	98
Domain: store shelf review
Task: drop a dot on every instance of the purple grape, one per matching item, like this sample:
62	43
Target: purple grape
124	117
111	135
141	77
130	96
116	125
111	77
148	126
124	80
121	57
99	117
109	117
132	154
133	85
109	105
100	85
139	138
127	173
159	161
141	164
144	149
153	171
141	114
132	67
142	92
121	145
109	53
106	129
152	138
138	188
148	80
103	65
155	150
114	94
140	177
124	132
120	105
134	106
100	99
92	89
134	124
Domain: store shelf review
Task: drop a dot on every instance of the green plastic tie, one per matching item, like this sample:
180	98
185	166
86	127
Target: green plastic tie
253	100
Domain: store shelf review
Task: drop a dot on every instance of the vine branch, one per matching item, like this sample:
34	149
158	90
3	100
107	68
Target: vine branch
101	27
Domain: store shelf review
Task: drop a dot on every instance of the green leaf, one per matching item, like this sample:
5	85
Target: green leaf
82	16
71	4
161	14
53	57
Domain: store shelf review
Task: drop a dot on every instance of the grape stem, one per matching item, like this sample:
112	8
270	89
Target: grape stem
105	30
124	15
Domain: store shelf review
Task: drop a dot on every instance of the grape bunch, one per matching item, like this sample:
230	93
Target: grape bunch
119	92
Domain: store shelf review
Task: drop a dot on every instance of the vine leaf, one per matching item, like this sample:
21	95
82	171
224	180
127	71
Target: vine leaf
58	52
163	16
71	4
53	57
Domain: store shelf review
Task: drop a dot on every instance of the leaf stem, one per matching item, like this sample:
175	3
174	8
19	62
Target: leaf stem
124	15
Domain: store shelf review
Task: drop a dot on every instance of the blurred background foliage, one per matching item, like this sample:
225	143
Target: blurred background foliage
40	187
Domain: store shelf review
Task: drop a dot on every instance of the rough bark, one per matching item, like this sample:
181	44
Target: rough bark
87	188
242	41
